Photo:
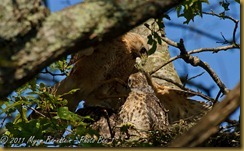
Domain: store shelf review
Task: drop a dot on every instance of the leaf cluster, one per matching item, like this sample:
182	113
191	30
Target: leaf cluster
36	113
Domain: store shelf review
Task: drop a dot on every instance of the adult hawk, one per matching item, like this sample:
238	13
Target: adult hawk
100	72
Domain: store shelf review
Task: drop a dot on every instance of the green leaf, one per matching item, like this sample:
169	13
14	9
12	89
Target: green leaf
159	40
10	108
150	39
42	85
64	113
189	9
160	22
70	92
76	120
153	48
32	84
225	5
22	116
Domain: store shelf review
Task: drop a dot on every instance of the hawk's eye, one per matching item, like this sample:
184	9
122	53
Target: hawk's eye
129	82
143	50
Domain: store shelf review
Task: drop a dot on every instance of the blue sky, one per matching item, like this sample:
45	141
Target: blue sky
225	63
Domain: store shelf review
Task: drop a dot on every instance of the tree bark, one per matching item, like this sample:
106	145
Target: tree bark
160	57
31	39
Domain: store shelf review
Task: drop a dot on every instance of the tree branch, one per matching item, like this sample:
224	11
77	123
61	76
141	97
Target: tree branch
226	17
208	124
69	31
195	61
214	50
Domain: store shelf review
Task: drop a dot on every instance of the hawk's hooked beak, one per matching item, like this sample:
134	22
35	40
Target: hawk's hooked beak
141	54
141	57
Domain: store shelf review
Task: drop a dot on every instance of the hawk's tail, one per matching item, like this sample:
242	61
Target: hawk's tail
188	110
180	106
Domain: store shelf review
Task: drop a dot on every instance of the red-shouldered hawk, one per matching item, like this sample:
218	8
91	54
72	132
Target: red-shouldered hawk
178	103
102	70
141	112
142	109
150	106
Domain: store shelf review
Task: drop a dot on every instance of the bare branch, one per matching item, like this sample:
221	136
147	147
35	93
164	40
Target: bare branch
195	61
217	97
226	17
208	125
174	44
37	112
198	75
214	50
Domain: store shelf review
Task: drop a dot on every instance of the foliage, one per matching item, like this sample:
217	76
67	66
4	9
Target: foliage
50	119
49	122
190	9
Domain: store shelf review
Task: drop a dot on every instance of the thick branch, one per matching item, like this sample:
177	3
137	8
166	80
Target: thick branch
208	124
71	30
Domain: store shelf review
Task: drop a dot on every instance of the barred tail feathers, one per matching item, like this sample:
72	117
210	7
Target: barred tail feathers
180	106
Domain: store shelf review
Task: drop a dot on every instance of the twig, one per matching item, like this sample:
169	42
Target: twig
109	125
226	17
33	109
217	97
225	40
200	86
194	61
169	61
52	74
214	50
208	125
3	120
169	80
198	75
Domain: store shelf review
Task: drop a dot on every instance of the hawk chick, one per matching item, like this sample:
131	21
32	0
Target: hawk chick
142	108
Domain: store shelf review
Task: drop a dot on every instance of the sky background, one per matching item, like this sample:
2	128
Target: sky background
225	63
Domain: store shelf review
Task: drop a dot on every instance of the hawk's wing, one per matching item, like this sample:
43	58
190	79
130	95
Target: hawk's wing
180	106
